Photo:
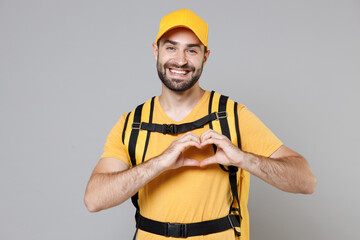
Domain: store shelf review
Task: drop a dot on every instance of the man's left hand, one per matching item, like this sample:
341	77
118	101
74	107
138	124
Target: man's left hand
226	154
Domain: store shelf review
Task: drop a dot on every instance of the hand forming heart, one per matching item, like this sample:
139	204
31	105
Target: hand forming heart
226	154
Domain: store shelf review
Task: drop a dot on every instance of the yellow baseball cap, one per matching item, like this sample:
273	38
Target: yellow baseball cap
184	18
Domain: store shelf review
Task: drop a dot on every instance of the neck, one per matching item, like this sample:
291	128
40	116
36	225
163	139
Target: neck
177	105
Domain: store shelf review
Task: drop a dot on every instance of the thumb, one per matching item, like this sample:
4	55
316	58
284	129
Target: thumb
191	162
208	161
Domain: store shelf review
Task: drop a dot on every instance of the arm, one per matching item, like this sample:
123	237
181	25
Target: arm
112	182
284	169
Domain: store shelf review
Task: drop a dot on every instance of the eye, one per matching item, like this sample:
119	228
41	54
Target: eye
192	51
170	48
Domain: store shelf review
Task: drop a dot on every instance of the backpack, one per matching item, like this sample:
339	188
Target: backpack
223	118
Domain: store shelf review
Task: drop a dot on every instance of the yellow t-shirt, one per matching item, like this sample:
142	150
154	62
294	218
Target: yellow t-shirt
192	194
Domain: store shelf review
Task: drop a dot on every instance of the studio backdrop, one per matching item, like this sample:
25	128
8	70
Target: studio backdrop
69	69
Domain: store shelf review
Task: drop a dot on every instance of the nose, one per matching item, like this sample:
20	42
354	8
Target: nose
181	58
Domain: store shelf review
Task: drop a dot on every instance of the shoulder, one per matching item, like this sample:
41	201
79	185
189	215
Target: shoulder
125	117
218	98
147	104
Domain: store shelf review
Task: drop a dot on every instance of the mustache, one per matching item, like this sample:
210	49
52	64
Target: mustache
186	67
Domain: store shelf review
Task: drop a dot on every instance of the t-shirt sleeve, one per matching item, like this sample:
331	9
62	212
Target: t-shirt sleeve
255	136
114	147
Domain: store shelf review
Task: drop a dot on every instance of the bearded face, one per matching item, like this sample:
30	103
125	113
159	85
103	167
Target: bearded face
180	59
178	77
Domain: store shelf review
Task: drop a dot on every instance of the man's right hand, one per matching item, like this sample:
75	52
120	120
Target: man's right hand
113	182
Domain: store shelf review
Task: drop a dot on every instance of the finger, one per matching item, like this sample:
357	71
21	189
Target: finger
208	161
210	134
184	139
205	134
218	142
189	143
191	162
189	136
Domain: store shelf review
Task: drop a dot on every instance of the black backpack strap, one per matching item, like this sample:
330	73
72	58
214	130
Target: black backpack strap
223	121
233	179
178	128
132	146
185	230
210	123
224	125
210	109
148	133
237	125
132	150
134	135
125	126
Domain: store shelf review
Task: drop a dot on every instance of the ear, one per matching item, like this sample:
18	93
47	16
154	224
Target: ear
206	56
155	50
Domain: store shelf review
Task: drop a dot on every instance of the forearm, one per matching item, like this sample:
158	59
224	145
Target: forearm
290	174
107	190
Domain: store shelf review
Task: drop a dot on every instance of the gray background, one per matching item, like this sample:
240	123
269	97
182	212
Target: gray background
69	69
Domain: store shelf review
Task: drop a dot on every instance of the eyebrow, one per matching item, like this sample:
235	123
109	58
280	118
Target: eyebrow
187	45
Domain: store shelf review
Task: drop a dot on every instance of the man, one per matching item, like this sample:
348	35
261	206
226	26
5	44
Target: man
182	190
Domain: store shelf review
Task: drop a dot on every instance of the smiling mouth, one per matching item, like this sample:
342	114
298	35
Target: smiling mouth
179	72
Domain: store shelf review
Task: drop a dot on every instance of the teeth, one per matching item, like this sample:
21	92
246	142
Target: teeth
177	71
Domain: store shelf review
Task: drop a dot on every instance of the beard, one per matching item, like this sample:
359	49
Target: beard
178	85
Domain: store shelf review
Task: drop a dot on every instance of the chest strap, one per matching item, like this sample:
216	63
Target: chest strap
180	230
179	128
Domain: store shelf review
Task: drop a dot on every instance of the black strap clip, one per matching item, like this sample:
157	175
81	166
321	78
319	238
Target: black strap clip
232	224
177	230
169	129
136	125
220	115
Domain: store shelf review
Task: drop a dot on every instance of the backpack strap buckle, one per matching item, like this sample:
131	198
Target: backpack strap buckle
177	230
220	115
136	125
233	223
230	221
169	129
